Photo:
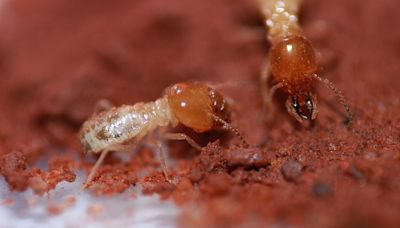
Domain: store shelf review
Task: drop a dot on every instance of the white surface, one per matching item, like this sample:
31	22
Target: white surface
30	210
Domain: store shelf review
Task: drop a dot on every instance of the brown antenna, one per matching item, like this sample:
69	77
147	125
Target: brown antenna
339	95
228	126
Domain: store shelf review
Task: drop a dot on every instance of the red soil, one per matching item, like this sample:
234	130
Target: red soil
58	58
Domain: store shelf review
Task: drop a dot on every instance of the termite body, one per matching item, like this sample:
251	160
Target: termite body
194	105
292	61
125	124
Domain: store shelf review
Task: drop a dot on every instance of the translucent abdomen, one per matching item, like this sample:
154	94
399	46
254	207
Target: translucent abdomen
280	18
123	124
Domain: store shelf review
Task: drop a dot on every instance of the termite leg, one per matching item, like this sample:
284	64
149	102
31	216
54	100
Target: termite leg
228	126
100	160
267	99
93	171
181	136
266	93
174	136
265	75
163	160
339	95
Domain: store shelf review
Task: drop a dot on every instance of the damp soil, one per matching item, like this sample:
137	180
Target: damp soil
58	58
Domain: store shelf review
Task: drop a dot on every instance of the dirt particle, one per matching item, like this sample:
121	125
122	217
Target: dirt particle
59	170
247	157
291	169
13	167
38	185
321	190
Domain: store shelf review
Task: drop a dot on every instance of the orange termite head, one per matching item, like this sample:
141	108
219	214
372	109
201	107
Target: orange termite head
293	64
197	106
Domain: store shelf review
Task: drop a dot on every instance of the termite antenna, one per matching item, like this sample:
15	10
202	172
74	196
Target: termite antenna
228	126
339	95
267	99
95	168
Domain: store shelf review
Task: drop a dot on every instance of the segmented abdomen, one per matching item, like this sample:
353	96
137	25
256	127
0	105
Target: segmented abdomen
122	124
281	18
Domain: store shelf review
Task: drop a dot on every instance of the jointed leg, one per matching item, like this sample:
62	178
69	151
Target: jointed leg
100	160
95	168
265	74
266	93
267	99
163	161
173	136
181	136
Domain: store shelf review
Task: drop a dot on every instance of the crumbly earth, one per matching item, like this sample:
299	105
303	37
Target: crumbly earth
58	58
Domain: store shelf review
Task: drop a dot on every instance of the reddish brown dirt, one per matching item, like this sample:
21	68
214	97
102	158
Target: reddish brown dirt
57	58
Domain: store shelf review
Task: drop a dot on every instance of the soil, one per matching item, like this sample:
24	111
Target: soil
58	58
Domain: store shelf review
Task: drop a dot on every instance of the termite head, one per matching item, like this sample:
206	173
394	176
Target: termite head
197	106
293	64
293	61
302	107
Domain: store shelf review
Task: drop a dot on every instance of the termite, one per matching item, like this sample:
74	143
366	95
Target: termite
292	62
194	105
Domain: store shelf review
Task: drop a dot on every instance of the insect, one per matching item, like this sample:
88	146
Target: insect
192	104
292	62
